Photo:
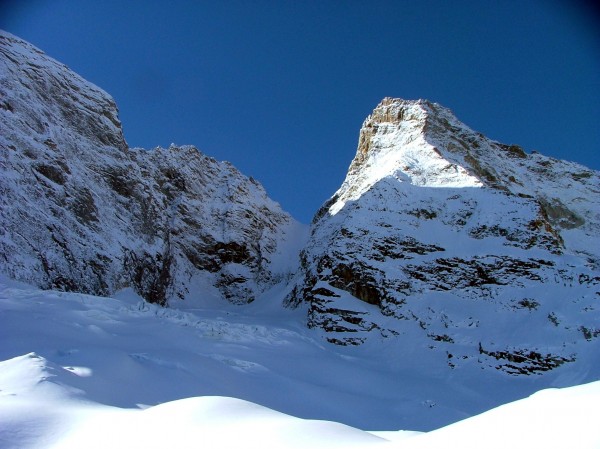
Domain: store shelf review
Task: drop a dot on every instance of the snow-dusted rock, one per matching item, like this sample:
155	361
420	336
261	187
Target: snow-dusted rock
447	241
443	258
81	211
442	240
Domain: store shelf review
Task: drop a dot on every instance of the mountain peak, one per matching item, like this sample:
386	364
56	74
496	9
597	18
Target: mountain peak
396	141
435	224
423	144
392	110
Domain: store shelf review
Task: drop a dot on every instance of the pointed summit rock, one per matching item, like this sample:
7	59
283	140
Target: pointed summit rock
424	144
465	250
393	143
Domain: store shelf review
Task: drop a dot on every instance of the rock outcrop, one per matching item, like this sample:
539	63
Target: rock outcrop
442	239
80	211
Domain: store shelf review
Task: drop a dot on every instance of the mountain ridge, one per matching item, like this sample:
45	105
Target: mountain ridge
438	236
81	211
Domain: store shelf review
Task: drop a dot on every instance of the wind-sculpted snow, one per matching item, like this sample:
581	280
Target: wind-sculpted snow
444	240
80	211
84	371
123	352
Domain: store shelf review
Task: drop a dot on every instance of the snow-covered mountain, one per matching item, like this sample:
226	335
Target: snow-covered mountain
447	242
451	272
80	211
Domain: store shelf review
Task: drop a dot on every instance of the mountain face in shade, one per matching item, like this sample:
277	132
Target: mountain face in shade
447	242
441	244
80	211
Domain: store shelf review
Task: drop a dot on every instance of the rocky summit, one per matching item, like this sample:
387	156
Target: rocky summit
447	242
441	244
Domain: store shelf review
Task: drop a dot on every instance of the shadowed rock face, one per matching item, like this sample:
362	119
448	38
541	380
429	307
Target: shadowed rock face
81	211
439	235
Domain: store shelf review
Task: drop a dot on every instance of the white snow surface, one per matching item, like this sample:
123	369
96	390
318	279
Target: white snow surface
83	371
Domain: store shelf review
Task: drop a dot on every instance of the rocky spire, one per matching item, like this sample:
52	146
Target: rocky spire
394	142
441	238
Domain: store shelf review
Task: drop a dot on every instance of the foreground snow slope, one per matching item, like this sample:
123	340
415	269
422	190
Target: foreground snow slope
80	387
82	351
38	410
548	419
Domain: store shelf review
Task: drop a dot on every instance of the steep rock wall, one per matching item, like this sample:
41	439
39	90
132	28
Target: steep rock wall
81	211
443	240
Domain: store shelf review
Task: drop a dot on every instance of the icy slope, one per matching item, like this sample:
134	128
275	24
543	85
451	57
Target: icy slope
80	211
551	419
458	249
126	353
120	373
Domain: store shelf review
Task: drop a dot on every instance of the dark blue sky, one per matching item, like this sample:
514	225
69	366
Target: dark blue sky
281	88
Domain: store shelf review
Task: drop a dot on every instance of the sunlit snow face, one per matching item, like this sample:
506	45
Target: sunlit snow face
401	152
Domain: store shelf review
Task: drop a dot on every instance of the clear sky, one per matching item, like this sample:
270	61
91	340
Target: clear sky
280	88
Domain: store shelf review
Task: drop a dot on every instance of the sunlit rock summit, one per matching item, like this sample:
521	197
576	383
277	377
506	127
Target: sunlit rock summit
450	243
454	248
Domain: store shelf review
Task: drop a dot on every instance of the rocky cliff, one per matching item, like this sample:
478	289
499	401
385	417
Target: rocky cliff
80	211
441	245
452	244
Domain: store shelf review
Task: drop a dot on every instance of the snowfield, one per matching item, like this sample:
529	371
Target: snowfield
449	275
84	371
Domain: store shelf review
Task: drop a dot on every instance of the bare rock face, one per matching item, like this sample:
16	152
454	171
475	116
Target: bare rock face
81	211
454	245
